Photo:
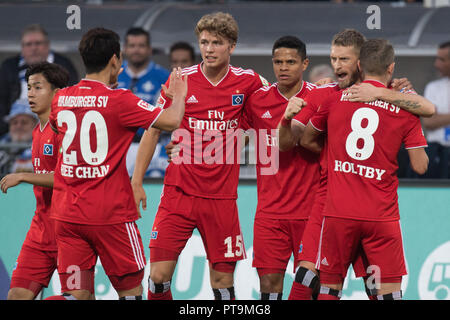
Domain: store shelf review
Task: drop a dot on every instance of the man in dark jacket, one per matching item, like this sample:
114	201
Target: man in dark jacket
35	48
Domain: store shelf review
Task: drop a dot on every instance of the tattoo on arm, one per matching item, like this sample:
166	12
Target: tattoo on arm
407	104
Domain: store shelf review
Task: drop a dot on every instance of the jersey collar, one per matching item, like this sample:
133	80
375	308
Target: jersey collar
295	95
214	85
375	83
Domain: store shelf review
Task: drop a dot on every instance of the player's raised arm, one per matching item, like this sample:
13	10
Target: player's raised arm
290	132
312	139
13	179
413	103
171	117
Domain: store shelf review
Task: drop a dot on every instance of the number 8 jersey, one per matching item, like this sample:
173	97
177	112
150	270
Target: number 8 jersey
96	125
363	144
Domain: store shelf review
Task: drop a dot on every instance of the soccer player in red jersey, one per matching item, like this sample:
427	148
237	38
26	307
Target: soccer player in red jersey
344	57
361	209
38	257
286	190
201	190
95	212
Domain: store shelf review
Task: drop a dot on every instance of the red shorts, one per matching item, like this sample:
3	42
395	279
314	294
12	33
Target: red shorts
34	268
119	247
343	240
309	245
310	241
217	221
274	240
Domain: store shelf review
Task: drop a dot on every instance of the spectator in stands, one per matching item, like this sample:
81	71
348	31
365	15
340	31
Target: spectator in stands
35	46
17	158
438	126
144	78
181	55
320	71
141	75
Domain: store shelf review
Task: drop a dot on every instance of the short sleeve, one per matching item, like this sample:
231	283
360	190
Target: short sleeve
246	122
313	100
135	112
414	136
320	118
258	82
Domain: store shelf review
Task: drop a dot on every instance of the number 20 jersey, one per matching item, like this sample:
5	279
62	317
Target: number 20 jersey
96	125
363	144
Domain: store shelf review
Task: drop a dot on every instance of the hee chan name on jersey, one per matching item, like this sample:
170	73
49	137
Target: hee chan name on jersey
84	172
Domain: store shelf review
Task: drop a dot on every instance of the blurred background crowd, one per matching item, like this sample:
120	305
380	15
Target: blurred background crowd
158	35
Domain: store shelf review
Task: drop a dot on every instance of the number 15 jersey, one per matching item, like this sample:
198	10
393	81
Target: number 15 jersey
96	125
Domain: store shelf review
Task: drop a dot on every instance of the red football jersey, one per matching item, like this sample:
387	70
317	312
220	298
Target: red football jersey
97	123
287	183
208	165
44	153
363	143
314	100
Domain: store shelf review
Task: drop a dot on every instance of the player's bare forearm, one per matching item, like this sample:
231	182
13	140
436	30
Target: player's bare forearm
413	103
170	119
437	121
312	139
14	179
286	138
418	160
144	156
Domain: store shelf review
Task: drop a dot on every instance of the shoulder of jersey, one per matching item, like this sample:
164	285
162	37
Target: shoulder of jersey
264	90
240	72
332	85
189	70
310	86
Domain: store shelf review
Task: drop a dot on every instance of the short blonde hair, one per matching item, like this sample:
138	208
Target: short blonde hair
219	23
349	38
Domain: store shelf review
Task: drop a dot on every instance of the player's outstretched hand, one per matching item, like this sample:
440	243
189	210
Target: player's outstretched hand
139	196
364	92
294	106
172	151
177	84
9	181
401	84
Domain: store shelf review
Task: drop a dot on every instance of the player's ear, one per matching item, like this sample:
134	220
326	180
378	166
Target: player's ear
358	64
232	47
305	63
391	68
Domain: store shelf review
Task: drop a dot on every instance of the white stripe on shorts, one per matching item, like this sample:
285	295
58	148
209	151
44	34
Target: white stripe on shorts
319	249
135	245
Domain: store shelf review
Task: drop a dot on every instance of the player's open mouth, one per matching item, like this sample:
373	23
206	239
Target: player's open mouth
341	76
32	104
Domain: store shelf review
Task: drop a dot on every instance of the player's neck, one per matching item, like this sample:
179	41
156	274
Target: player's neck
290	91
383	79
214	75
102	76
43	118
